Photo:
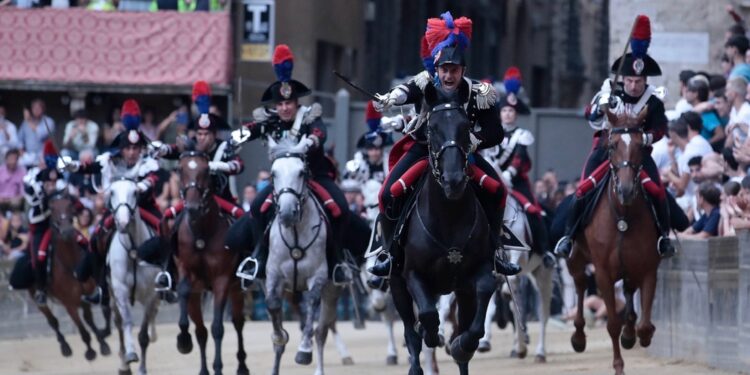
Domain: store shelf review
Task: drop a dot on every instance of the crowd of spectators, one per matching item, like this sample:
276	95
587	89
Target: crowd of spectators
122	5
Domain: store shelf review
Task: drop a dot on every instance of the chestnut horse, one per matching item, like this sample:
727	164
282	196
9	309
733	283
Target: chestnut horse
204	264
620	241
63	286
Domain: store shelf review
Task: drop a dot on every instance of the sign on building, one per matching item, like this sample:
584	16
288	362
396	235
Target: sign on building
258	30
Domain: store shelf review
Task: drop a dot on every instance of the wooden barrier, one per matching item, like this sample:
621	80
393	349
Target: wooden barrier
701	305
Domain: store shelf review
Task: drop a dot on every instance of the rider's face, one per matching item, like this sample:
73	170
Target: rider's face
205	139
508	115
634	85
287	109
131	154
450	76
374	154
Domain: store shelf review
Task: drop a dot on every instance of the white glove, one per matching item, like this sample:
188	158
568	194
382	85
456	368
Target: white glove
396	96
65	163
308	141
240	136
606	86
392	123
142	186
506	176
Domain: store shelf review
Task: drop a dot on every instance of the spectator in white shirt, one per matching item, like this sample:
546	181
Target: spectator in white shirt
685	135
80	134
739	115
8	134
682	105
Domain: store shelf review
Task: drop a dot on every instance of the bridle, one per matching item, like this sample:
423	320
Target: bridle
63	216
203	191
131	210
615	167
299	195
434	157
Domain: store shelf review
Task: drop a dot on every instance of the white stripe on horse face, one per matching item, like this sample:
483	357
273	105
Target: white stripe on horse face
626	138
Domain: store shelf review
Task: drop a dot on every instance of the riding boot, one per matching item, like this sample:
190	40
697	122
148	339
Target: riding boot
565	244
502	265
341	273
383	264
40	283
541	240
664	245
254	266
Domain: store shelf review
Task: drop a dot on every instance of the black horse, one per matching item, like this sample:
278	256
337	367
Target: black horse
446	241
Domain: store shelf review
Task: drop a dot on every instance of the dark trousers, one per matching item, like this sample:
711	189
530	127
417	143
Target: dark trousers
539	233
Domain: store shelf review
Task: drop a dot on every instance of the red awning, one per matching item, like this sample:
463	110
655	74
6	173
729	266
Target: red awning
114	48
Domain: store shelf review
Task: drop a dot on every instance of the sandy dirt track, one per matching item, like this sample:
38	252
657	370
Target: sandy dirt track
42	355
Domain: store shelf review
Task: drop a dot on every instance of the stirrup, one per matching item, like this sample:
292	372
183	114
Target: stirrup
559	244
347	274
244	276
95	298
163	288
665	255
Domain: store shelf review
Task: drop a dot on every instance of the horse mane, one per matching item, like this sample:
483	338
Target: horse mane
285	146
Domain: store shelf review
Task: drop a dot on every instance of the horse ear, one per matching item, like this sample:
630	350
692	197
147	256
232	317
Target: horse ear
642	115
430	95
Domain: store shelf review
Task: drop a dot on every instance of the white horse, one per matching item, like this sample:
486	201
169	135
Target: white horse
380	302
540	277
130	278
297	256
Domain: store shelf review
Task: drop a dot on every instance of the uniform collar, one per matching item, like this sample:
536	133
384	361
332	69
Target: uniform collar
631	99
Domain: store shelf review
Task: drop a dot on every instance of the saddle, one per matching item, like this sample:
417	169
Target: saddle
321	195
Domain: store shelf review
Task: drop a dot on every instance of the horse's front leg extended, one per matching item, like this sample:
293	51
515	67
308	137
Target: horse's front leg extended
121	291
429	320
312	298
464	346
279	337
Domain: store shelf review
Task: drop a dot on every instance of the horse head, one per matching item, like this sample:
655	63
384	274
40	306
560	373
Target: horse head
449	143
626	148
62	214
122	202
289	175
194	177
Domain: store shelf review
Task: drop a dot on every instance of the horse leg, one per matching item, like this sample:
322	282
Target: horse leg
645	327
404	305
577	271
463	346
144	338
429	320
279	337
346	358
217	325
184	341
543	278
124	366
238	320
519	341
126	319
88	317
484	342
627	338
327	321
312	297
52	321
201	333
614	324
388	319
85	335
107	316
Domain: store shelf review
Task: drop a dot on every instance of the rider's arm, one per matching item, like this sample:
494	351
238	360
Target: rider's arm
521	162
229	166
656	122
318	132
491	131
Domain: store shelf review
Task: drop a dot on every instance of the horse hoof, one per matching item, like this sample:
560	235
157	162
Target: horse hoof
131	357
484	346
645	342
303	358
124	372
104	348
627	342
458	353
416	371
90	355
540	358
429	323
243	371
184	343
516	354
347	361
66	350
578	345
391	360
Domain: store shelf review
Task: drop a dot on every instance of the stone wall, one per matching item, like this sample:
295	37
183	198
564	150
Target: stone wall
701	304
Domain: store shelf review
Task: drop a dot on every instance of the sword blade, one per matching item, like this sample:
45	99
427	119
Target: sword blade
354	85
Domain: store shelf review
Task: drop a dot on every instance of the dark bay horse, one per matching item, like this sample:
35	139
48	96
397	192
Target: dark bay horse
204	264
446	242
620	241
63	286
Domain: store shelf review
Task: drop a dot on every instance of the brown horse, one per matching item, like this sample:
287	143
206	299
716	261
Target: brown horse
204	264
62	285
620	241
